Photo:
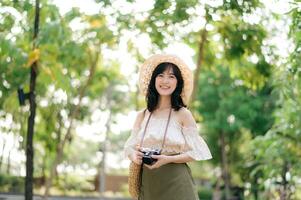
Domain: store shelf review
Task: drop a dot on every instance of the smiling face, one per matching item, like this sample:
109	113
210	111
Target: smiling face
166	82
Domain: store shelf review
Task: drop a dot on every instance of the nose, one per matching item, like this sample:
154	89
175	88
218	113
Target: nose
165	79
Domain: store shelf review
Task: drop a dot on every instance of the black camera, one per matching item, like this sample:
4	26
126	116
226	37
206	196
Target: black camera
147	157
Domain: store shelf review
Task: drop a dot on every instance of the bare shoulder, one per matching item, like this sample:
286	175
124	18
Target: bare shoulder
185	117
140	115
184	113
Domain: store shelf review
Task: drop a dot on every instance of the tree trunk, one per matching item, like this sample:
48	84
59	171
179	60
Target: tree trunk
225	167
8	167
32	103
8	163
284	193
200	59
102	175
137	68
9	153
102	171
44	170
72	116
254	187
3	148
217	191
59	138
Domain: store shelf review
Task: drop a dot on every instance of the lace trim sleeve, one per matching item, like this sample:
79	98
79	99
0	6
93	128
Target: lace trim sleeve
131	142
196	147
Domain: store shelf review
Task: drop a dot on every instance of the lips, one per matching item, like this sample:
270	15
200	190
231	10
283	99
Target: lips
164	87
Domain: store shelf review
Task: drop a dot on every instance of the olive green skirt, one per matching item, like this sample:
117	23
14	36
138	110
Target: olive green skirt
169	182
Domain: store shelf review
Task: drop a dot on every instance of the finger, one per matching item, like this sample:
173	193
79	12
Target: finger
140	153
156	156
137	153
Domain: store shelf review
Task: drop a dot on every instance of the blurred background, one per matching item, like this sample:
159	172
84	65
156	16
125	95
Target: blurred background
69	94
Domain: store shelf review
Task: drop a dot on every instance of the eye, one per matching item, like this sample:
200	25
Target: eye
160	75
172	76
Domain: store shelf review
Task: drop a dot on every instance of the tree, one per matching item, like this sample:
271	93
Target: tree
32	102
227	108
277	153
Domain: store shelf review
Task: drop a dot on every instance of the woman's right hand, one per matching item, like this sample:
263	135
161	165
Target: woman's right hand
137	155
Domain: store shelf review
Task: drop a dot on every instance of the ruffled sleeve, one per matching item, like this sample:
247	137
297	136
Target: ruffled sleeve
195	146
131	142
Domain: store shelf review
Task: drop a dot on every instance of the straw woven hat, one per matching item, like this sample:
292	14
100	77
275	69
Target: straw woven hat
151	63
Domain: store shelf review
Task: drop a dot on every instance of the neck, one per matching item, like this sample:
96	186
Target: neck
164	102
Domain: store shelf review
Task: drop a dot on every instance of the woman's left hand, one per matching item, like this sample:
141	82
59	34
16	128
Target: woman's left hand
162	160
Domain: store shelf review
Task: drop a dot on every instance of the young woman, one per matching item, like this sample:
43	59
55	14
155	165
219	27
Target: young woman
168	126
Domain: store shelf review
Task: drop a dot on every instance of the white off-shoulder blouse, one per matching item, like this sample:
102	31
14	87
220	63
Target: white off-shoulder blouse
179	139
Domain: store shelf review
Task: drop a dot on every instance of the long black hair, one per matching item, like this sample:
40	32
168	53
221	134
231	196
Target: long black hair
152	96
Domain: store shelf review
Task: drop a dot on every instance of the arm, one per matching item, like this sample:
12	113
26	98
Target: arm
164	159
131	146
181	158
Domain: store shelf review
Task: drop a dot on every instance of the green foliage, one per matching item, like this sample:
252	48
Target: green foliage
162	21
244	6
247	39
205	194
295	34
228	106
74	183
250	99
275	156
11	183
64	57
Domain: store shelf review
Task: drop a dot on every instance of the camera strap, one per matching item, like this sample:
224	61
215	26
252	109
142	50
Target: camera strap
146	125
141	142
163	143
